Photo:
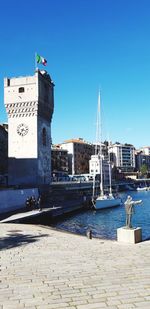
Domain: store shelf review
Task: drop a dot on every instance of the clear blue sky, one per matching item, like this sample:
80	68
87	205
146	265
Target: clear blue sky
87	43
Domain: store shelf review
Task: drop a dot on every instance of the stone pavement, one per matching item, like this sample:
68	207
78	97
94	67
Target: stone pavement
47	269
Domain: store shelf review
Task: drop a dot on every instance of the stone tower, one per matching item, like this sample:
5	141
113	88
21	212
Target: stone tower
29	103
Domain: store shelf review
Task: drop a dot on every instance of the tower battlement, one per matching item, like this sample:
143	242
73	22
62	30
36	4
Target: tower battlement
29	103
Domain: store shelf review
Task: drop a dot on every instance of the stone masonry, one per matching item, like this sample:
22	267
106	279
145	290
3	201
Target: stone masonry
43	268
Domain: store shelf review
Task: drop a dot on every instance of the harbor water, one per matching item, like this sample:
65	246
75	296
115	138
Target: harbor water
104	223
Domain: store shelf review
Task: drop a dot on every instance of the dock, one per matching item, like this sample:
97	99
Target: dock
30	214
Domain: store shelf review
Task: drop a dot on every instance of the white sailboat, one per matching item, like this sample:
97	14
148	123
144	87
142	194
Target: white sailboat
103	200
142	189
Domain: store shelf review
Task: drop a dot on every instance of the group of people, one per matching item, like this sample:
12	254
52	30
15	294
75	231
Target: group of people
33	203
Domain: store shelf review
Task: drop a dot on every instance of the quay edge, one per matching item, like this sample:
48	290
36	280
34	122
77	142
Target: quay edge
69	196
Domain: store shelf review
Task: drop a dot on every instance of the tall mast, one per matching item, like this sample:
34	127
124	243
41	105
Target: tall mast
109	168
110	185
96	146
98	137
100	143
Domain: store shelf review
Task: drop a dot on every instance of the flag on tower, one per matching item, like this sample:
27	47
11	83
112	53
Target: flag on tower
41	60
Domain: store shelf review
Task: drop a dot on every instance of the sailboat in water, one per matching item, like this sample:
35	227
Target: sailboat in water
102	200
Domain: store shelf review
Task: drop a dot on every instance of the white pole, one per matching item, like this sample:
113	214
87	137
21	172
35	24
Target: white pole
93	195
35	62
110	187
100	140
110	177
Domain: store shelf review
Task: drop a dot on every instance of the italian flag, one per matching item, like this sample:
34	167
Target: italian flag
41	60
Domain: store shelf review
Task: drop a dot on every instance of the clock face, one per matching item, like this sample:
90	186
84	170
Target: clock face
22	129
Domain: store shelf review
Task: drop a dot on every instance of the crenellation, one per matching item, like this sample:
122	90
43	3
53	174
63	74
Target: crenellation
29	105
23	108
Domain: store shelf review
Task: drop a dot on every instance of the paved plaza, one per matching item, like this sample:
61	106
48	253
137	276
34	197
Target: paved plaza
47	269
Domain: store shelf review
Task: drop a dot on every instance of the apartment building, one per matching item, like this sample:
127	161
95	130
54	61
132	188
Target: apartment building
59	162
142	158
145	150
95	168
123	156
79	154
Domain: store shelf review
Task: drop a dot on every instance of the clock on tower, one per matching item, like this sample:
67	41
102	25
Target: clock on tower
29	103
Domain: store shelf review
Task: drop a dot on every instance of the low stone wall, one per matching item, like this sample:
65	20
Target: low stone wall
12	199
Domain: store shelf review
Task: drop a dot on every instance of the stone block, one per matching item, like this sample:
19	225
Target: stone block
133	235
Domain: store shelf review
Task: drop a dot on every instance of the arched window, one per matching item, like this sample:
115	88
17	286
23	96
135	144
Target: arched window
44	137
21	89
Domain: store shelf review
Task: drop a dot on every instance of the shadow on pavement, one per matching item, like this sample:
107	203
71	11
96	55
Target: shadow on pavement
15	239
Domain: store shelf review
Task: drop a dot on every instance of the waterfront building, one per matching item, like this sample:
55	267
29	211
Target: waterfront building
142	159
3	151
123	156
79	154
145	150
29	102
104	149
59	163
95	168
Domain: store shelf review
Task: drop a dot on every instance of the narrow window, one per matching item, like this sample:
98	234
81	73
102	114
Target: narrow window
44	137
21	89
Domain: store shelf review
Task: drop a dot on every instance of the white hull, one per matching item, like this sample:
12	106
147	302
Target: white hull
101	203
143	189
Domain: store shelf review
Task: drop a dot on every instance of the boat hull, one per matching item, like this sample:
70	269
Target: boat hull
143	189
107	203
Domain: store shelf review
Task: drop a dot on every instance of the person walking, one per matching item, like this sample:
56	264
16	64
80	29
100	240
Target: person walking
33	202
27	203
39	204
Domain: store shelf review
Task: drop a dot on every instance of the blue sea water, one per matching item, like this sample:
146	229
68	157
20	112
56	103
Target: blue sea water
104	223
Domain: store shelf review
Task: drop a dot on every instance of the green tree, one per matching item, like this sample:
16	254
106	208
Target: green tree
143	169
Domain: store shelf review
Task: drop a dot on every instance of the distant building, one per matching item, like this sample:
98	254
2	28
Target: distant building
145	150
123	156
79	154
95	168
3	150
103	150
59	162
142	159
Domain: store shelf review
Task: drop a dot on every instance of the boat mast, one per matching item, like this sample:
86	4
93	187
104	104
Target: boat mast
100	145
110	185
110	182
93	195
96	147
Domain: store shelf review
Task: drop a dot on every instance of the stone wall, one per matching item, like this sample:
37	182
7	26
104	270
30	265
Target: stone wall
13	199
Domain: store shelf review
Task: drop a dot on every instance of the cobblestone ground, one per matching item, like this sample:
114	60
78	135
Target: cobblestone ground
46	269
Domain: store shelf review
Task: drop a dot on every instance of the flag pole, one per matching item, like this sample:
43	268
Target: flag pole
35	62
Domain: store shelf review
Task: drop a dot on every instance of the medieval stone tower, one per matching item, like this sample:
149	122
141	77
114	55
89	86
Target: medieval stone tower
29	103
